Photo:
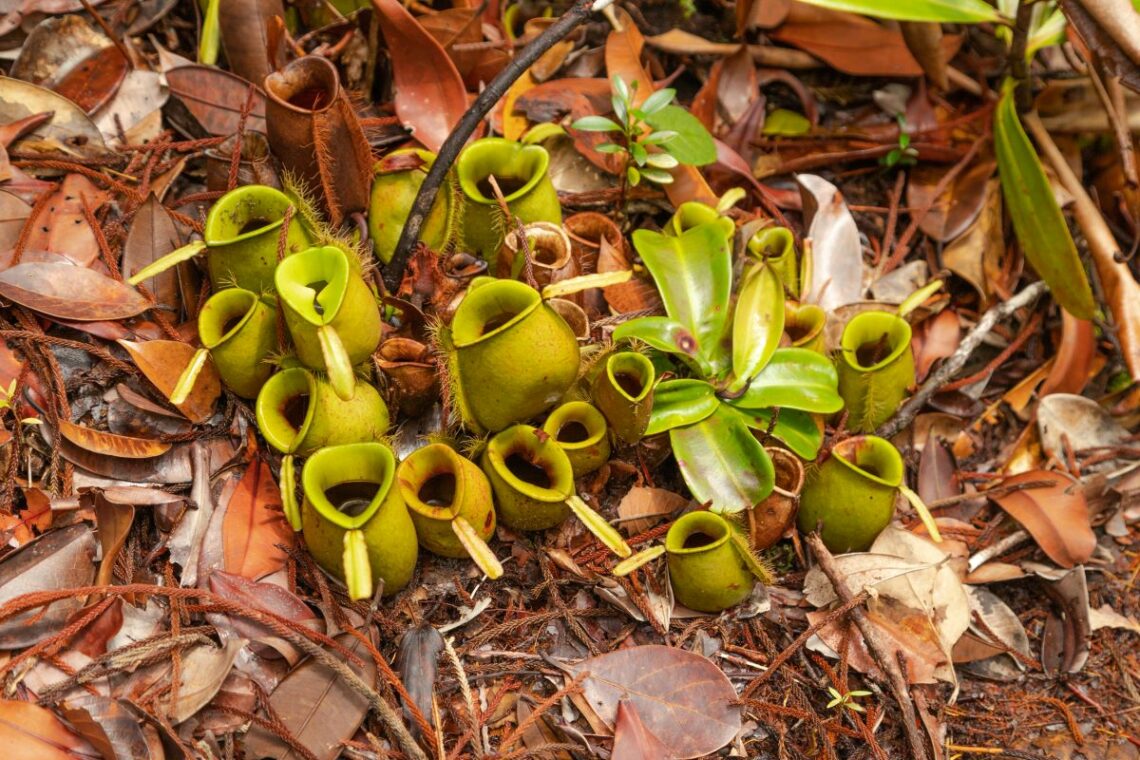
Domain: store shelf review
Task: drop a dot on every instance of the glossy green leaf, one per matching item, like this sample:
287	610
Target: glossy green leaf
947	11
757	324
794	428
693	272
693	144
596	124
723	463
680	402
795	378
1037	219
664	334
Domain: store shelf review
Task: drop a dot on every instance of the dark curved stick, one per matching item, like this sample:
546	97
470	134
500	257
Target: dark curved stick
448	152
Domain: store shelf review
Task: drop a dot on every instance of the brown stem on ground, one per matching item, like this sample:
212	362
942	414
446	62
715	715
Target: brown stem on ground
1018	65
875	645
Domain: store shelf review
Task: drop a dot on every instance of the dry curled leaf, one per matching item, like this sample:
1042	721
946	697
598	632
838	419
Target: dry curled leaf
642	508
109	444
1056	515
67	291
255	534
162	361
30	731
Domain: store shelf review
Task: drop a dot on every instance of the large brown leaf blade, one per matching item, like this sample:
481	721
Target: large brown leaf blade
162	361
682	698
954	209
623	58
151	236
632	740
57	560
1056	516
255	533
317	706
30	731
216	98
70	292
430	95
109	444
115	522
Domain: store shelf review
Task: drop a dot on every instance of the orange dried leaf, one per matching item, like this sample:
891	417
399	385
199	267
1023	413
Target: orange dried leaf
110	444
1056	516
254	529
162	361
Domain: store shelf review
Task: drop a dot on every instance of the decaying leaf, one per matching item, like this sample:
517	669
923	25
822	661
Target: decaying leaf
70	292
255	532
632	740
162	361
837	254
682	698
1057	515
31	731
641	508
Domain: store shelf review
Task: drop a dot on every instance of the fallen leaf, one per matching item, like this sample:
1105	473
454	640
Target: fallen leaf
904	631
418	665
976	255
637	293
114	522
682	698
255	533
632	740
1074	357
837	254
1079	421
216	98
109	444
162	361
203	669
1106	617
266	597
62	227
649	505
1071	594
623	59
934	339
1056	516
30	731
937	472
111	726
320	710
430	95
95	80
71	292
61	559
957	206
69	127
151	236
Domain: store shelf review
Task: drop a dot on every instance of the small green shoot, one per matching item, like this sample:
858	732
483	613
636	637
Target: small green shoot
846	700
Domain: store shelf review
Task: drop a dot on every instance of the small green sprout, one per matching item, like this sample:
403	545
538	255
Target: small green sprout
846	700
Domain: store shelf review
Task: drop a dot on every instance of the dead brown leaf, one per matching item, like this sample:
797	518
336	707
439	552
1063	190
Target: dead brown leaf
632	740
1056	516
71	292
650	504
162	361
255	533
30	731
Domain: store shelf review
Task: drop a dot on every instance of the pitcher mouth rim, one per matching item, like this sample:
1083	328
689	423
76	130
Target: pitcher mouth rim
900	342
308	60
498	462
324	507
840	450
234	195
470	188
699	516
481	292
588	410
412	497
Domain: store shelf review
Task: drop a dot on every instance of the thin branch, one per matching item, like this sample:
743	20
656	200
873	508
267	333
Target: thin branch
449	151
958	359
875	645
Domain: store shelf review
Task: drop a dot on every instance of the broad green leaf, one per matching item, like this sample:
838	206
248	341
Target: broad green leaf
680	402
596	124
1037	219
658	100
722	463
693	144
757	324
795	428
693	272
946	11
795	378
664	334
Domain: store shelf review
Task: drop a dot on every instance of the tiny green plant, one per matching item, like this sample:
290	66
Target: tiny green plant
653	136
847	700
6	407
904	154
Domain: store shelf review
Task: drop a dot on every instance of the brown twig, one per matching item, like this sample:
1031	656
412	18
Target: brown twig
896	679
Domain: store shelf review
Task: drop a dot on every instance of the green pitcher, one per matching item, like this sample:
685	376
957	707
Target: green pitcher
706	567
623	390
241	234
521	172
804	324
509	355
398	178
355	522
238	331
852	493
580	430
776	246
450	502
330	312
534	485
876	368
298	413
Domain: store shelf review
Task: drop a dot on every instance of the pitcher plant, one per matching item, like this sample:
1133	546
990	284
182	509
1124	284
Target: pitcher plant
449	499
394	188
314	131
579	429
355	522
330	312
623	391
240	240
707	568
876	368
239	331
509	355
852	492
521	173
534	485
